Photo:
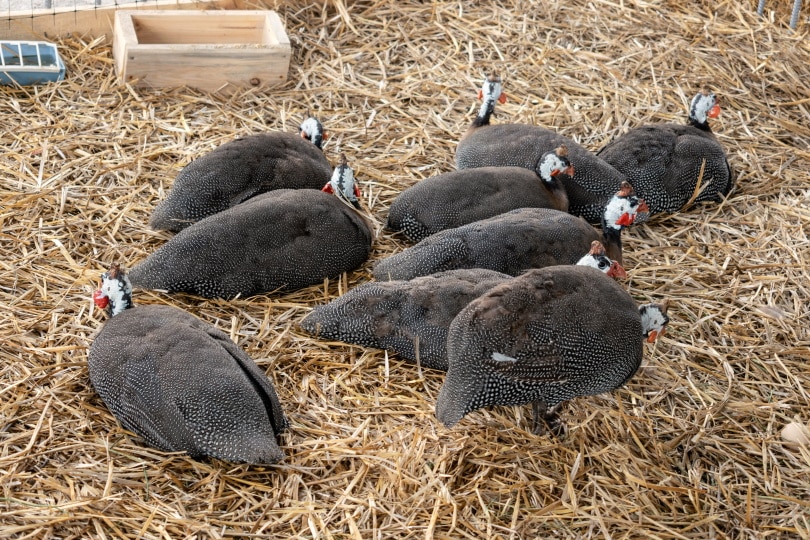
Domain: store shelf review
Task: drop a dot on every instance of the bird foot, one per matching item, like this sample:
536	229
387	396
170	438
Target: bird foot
546	420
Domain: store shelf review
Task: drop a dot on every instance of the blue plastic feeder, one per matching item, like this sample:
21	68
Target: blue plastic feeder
29	62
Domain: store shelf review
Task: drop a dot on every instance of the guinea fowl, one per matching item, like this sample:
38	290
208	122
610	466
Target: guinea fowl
545	337
241	169
278	241
408	317
515	241
411	318
179	383
484	145
460	197
673	165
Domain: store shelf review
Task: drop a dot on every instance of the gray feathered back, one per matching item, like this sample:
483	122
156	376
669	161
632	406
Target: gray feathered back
509	243
522	145
282	240
183	385
461	197
402	316
237	171
663	163
548	335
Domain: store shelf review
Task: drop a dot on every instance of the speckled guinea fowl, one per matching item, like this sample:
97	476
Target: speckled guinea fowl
545	337
514	241
179	383
283	240
484	145
460	197
402	316
410	316
664	162
241	169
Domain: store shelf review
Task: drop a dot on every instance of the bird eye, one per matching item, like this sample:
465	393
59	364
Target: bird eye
603	263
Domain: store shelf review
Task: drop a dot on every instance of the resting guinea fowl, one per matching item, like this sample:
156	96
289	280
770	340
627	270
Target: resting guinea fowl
460	197
241	169
411	318
545	337
673	165
179	383
515	241
593	183
278	241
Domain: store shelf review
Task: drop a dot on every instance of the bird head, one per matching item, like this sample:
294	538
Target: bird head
492	89
654	320
343	185
625	208
311	129
597	258
704	105
114	293
554	163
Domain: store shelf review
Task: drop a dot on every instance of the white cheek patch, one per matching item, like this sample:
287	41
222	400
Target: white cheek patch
498	357
491	90
701	106
614	210
653	319
343	182
593	262
310	127
117	291
549	163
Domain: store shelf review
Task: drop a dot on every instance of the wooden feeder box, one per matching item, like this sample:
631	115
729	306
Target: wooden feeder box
201	49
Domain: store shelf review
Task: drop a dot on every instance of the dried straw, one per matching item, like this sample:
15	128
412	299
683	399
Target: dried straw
689	449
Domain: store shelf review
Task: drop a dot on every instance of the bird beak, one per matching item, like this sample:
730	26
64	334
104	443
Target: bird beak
655	334
554	173
714	112
616	271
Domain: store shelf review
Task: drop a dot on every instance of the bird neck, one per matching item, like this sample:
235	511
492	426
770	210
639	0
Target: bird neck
612	239
485	112
702	126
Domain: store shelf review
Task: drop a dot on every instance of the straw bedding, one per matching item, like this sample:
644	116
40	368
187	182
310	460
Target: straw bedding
690	448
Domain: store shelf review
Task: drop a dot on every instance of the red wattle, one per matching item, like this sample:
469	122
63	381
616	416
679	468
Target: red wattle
617	271
625	220
100	299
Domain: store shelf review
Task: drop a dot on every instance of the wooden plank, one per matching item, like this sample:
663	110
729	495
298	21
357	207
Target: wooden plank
233	27
89	22
203	49
183	67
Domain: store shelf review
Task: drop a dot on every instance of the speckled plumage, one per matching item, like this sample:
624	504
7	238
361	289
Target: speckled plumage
282	240
522	145
547	336
237	171
183	385
509	243
401	315
663	162
461	197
